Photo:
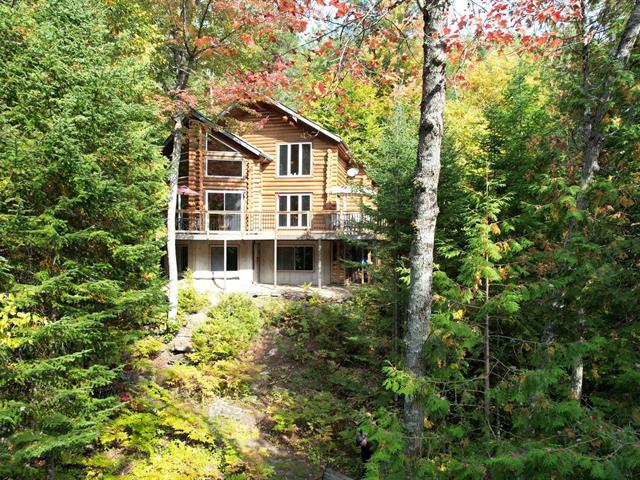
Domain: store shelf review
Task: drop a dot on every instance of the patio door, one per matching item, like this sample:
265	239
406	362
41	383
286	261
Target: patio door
225	210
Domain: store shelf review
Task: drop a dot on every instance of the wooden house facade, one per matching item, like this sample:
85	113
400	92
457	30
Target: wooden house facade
274	205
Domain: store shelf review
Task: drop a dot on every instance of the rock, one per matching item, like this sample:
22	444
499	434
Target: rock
181	344
331	474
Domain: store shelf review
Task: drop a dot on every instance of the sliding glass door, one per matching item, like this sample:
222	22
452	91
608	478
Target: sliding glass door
224	210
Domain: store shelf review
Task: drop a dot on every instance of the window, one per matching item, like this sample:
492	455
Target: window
182	258
183	168
217	259
294	159
294	203
295	258
223	167
215	145
222	202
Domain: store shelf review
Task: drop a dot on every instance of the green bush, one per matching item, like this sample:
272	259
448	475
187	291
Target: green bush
147	347
231	326
225	377
189	299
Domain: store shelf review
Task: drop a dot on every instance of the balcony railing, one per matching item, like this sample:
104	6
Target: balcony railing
193	221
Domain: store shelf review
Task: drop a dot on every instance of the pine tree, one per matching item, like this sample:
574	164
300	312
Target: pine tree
80	218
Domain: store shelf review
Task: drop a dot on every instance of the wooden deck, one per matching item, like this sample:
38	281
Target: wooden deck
231	225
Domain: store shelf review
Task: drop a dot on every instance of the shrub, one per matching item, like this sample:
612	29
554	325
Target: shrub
147	347
231	326
189	299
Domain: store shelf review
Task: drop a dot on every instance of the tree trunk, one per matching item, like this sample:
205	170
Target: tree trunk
425	211
487	360
592	144
178	119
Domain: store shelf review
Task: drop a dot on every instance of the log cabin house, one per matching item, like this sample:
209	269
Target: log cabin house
276	205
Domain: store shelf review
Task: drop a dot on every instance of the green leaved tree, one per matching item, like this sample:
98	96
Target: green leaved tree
80	226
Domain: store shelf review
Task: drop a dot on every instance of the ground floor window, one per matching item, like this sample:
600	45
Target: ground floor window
217	259
182	258
295	258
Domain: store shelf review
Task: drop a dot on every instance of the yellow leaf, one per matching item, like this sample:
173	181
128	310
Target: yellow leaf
458	314
626	202
495	229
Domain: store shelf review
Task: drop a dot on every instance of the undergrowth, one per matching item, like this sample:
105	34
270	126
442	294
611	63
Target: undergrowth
336	351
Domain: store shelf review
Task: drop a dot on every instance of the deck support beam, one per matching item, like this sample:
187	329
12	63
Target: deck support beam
319	263
224	256
275	261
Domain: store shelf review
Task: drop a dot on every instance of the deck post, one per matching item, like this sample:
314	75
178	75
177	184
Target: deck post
319	263
224	256
275	260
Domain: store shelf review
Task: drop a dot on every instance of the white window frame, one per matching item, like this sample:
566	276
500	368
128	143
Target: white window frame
220	158
290	212
313	261
289	174
233	273
231	212
241	192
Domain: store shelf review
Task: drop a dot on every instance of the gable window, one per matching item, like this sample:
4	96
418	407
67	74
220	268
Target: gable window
295	258
225	167
216	145
294	159
293	210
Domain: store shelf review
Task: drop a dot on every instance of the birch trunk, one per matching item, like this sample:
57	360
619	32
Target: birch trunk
593	137
172	295
425	211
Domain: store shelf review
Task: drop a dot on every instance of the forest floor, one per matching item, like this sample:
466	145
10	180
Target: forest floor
247	419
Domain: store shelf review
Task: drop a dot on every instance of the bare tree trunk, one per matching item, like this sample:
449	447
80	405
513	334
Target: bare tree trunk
396	308
425	211
51	467
178	119
487	360
592	145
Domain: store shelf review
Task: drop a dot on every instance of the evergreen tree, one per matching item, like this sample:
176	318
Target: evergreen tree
80	222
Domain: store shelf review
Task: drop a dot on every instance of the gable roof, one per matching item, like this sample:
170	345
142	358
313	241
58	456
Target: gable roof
299	118
309	123
230	136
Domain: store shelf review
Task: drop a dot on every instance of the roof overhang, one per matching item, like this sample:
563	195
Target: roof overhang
230	136
310	124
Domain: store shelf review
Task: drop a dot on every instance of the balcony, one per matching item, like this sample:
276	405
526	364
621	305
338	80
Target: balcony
231	224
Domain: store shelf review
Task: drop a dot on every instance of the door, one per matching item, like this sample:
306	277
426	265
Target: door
217	259
225	210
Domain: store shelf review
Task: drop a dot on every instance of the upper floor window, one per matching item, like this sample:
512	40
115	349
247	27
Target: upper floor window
297	206
294	159
216	145
225	167
183	168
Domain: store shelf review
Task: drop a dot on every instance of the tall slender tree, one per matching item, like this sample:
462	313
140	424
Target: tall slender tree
434	14
595	108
